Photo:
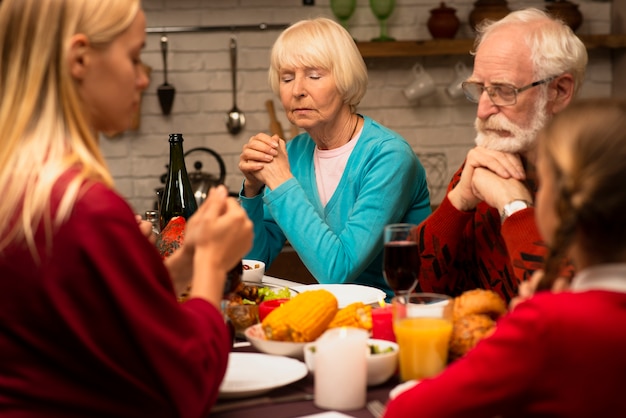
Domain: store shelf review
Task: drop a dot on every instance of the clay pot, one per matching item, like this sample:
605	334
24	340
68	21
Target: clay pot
443	22
566	11
488	9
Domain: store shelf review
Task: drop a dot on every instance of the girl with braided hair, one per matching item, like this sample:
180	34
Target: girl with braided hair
556	354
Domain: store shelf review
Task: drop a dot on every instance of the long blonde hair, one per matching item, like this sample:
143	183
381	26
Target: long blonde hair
43	127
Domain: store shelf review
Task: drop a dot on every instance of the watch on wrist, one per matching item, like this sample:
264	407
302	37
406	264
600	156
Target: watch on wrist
512	207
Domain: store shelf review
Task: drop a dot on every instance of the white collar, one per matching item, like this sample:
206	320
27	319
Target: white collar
611	277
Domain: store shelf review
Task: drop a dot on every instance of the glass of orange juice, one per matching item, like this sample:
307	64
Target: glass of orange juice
422	324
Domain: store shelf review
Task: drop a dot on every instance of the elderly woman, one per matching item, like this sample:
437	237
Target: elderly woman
331	190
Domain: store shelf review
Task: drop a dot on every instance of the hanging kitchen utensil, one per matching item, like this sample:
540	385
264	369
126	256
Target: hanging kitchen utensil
275	126
165	91
235	120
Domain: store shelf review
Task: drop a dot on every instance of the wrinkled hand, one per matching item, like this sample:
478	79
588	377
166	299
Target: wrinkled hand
264	161
259	150
497	191
146	229
504	165
527	289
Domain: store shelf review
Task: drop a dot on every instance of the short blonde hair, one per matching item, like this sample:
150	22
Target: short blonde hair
321	43
44	128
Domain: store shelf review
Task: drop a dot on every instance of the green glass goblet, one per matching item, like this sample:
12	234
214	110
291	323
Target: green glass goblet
382	9
343	10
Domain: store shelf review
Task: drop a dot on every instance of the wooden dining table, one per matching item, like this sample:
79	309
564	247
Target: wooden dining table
272	404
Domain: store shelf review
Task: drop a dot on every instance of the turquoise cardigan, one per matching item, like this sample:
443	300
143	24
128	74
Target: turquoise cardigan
383	183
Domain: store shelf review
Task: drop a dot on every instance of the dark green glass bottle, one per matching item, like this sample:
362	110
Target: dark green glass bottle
178	197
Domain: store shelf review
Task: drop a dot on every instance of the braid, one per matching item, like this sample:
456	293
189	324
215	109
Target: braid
563	235
584	149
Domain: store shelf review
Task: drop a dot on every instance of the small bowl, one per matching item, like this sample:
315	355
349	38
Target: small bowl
253	271
256	336
380	367
268	306
242	316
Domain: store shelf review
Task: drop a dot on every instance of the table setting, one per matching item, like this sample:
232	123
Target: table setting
341	350
273	378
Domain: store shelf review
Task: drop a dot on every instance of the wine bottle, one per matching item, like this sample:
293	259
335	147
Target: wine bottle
178	198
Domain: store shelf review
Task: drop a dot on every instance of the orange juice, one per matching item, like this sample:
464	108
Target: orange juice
423	346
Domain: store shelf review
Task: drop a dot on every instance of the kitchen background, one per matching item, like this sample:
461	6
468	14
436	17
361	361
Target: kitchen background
439	129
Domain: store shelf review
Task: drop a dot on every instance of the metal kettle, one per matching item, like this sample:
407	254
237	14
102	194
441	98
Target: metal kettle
200	181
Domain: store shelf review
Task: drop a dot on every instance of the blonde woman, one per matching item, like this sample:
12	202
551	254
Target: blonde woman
331	190
90	322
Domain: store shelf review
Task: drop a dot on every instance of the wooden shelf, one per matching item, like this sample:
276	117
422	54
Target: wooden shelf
461	46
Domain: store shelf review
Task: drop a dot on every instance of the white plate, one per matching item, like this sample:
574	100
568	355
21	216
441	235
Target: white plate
251	374
347	293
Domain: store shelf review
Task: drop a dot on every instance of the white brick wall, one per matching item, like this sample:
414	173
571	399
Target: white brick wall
199	69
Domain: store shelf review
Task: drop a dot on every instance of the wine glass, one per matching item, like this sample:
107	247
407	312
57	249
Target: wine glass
343	10
401	258
382	9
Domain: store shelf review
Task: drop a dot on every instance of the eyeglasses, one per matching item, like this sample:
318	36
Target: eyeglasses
500	95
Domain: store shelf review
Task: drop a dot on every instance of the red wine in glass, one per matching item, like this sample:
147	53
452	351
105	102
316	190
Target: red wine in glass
401	258
401	265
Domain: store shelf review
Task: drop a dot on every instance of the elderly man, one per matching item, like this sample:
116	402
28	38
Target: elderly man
527	68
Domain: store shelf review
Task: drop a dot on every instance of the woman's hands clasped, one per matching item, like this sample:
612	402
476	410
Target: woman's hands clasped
264	162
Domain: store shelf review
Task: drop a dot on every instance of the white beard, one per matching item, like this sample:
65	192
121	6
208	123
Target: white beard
521	139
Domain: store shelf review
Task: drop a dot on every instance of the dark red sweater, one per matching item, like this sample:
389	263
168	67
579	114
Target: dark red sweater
469	250
95	329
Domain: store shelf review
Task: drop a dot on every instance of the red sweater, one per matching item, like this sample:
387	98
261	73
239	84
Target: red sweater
95	329
555	355
468	250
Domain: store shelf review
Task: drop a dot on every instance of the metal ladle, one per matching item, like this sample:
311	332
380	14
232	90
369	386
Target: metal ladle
235	120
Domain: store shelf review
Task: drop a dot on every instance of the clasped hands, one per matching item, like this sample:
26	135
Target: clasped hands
264	162
494	177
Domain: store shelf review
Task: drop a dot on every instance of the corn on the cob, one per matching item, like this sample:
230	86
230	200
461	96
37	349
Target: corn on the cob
356	315
303	318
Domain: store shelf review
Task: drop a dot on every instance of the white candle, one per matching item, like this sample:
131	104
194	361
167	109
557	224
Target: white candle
341	369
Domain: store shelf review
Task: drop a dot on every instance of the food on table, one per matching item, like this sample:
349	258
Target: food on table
268	306
249	267
356	315
374	349
171	237
467	331
303	318
242	316
255	294
479	301
475	313
242	305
